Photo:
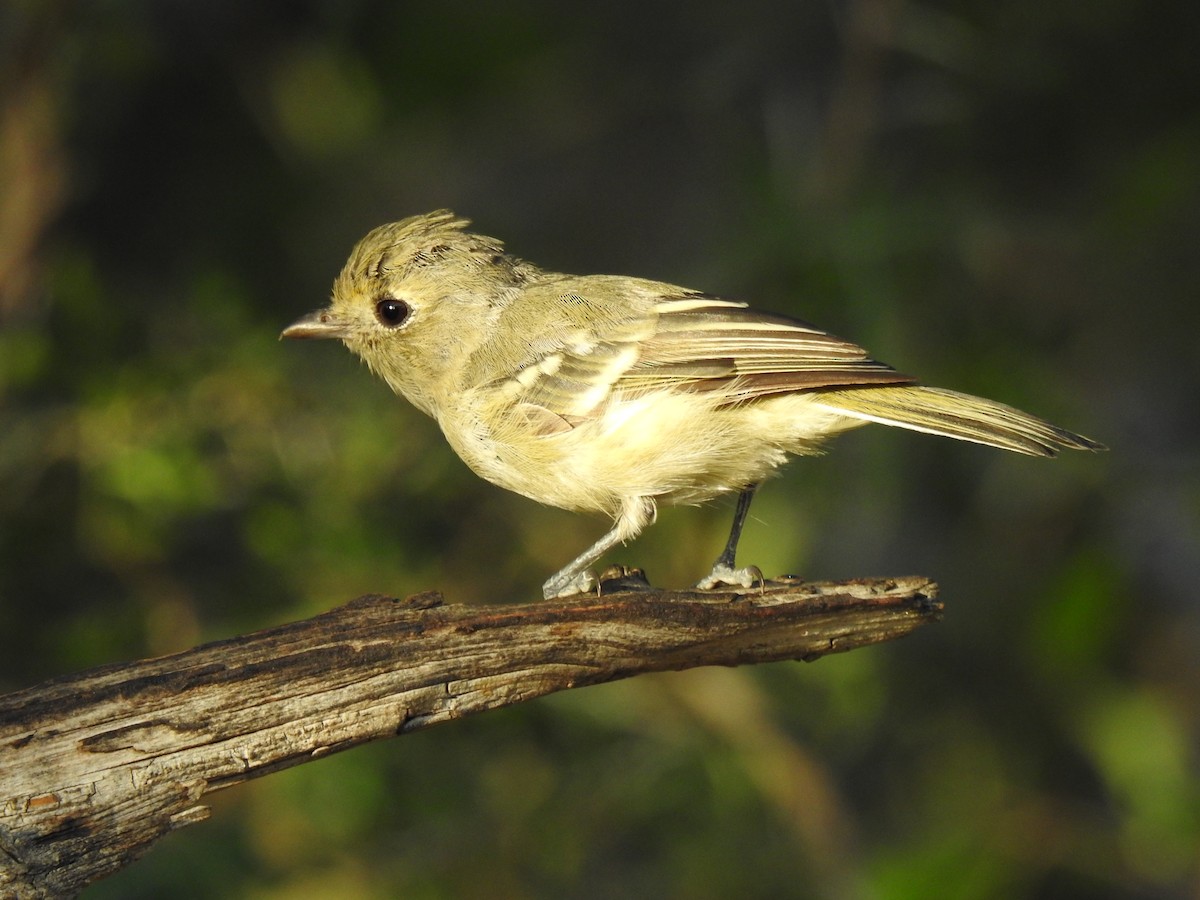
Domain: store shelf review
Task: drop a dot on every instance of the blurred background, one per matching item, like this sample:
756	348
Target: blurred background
1002	198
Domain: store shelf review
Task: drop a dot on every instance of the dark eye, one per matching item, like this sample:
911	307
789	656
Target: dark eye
392	312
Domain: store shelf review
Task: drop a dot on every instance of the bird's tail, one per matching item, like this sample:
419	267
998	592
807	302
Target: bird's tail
955	415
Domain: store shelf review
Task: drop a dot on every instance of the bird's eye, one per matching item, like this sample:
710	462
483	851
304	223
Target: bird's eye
392	313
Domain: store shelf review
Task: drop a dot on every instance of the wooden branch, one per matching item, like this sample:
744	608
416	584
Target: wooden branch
95	767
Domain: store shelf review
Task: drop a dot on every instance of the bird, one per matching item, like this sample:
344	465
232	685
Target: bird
613	394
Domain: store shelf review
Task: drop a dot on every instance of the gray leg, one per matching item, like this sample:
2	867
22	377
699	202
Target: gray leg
723	572
575	577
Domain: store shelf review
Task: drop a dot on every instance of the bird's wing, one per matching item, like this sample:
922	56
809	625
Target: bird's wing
687	342
705	343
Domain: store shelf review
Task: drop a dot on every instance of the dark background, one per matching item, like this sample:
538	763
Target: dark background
1002	198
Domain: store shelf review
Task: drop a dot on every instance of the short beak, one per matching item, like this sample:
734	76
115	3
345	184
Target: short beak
319	324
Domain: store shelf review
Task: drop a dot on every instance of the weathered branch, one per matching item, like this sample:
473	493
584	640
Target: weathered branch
95	767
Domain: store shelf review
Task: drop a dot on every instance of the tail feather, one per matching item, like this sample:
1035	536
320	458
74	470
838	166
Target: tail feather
955	415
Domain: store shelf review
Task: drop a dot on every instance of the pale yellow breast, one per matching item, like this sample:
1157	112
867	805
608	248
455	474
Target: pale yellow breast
677	447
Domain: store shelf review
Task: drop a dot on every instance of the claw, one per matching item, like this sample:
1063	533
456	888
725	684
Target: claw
583	583
726	576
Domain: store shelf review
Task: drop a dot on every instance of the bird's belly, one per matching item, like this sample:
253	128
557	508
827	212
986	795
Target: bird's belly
675	447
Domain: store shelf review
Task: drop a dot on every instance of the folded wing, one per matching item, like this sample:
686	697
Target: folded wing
704	343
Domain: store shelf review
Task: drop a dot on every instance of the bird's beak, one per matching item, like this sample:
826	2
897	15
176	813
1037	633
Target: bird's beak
321	323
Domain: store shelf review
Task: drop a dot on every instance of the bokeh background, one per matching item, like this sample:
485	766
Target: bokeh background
998	197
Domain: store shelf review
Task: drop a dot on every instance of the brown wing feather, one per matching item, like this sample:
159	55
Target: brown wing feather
694	342
704	343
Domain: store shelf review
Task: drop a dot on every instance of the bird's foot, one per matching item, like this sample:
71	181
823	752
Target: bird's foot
584	582
727	576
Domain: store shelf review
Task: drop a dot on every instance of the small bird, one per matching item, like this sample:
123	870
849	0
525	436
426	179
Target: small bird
611	394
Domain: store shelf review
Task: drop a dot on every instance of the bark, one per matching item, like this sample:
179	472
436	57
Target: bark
96	767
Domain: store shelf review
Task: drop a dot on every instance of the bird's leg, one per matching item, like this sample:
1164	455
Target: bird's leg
723	572
575	578
727	557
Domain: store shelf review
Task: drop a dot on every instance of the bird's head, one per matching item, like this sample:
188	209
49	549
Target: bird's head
415	299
